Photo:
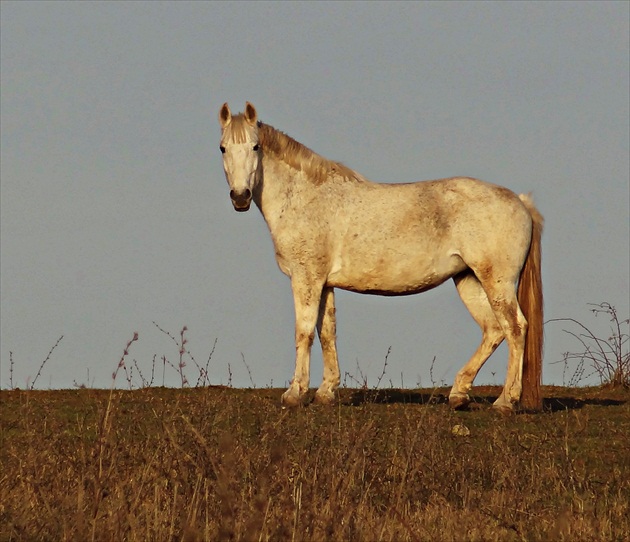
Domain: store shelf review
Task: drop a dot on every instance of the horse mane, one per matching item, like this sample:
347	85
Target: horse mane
300	157
297	156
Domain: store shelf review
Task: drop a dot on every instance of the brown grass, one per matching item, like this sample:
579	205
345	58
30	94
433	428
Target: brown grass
226	464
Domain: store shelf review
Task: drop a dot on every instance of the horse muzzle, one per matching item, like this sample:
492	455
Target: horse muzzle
241	201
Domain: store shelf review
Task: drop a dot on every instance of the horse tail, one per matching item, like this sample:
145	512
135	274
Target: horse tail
530	299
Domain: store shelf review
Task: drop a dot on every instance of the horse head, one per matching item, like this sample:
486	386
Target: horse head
241	154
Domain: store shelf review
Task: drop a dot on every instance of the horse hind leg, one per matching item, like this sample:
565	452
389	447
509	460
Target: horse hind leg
476	301
502	296
327	330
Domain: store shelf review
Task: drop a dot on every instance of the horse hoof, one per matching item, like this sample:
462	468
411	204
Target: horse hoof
326	398
290	400
458	402
505	409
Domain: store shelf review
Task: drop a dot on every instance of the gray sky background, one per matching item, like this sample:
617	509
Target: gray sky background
115	211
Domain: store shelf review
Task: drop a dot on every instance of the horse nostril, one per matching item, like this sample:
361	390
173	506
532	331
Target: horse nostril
247	194
241	200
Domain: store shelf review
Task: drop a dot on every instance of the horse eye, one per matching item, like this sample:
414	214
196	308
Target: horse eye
256	147
222	149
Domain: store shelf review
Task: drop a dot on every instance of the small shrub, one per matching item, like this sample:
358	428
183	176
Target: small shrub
608	357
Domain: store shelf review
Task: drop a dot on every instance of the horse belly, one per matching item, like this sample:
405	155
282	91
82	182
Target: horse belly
394	275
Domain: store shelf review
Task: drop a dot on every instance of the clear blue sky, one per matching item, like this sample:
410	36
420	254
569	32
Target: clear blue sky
115	211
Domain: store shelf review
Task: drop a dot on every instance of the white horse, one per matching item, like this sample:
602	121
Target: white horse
332	228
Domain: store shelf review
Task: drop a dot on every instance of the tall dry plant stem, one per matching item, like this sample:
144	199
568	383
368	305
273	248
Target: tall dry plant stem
39	372
121	363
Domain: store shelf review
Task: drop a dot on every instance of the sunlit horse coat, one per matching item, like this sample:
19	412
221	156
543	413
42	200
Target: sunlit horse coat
332	228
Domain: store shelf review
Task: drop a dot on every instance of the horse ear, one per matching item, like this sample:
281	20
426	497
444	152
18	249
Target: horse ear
225	115
250	113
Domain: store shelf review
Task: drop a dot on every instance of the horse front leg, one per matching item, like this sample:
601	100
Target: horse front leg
306	296
327	330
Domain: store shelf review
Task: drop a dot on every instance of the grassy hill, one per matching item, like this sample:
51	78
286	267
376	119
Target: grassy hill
219	463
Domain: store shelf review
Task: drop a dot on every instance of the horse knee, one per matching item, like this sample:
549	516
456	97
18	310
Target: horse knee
328	344
304	338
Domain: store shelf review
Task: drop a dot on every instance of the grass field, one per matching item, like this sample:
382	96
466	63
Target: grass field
219	463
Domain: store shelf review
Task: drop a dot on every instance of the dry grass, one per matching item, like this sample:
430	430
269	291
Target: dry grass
224	464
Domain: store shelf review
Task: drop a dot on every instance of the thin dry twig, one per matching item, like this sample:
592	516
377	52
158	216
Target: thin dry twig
121	363
39	372
609	357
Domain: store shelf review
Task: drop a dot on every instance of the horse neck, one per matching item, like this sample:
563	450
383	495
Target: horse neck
278	179
291	173
277	182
